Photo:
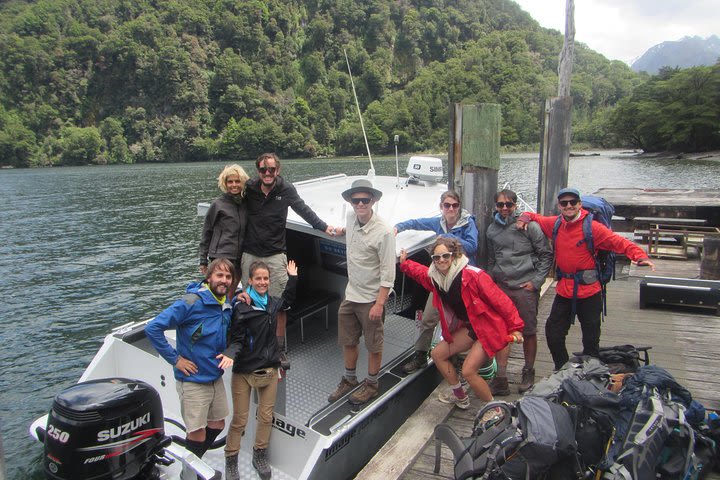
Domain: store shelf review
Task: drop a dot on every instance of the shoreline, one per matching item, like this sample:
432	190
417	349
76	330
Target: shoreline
713	155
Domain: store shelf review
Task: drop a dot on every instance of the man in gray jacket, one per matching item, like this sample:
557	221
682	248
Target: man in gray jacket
518	261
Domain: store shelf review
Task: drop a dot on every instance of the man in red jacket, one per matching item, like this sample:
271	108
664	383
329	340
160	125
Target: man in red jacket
574	261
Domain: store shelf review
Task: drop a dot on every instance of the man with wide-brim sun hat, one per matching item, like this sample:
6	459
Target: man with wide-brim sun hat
371	274
361	185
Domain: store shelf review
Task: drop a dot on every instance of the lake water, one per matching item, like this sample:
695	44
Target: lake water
88	248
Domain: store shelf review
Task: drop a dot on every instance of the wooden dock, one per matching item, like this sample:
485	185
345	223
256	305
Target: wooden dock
683	341
664	203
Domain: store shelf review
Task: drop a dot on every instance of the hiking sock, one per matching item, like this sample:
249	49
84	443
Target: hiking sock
350	375
458	391
372	378
210	435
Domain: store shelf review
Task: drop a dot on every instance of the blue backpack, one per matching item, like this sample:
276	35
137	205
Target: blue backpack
599	210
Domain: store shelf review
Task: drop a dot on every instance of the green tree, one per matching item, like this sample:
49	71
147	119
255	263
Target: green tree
80	146
18	145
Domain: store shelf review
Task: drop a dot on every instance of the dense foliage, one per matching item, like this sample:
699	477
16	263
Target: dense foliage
116	81
676	110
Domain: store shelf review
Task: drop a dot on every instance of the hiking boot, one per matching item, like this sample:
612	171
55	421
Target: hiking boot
450	397
260	463
528	380
499	387
367	392
284	360
343	388
231	468
417	361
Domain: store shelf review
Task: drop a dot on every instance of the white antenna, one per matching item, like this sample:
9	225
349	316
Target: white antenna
397	163
371	172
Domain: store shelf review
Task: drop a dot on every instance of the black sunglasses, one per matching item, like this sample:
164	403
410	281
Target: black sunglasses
504	204
267	169
564	203
444	256
363	200
448	206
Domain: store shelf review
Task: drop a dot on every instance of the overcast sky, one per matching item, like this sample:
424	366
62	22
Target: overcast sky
625	29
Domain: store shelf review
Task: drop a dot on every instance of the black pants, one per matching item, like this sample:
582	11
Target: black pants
589	312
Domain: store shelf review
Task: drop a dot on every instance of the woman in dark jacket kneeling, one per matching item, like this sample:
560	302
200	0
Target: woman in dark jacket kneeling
254	347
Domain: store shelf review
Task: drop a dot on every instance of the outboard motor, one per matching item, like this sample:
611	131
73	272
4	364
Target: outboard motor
105	429
425	169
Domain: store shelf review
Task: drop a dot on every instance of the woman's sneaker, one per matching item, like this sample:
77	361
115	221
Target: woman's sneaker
449	397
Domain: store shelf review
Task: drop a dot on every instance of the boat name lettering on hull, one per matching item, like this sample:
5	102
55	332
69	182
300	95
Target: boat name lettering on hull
344	441
124	429
287	428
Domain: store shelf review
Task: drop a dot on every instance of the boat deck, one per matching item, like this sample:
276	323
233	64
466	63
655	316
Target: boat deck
317	364
684	342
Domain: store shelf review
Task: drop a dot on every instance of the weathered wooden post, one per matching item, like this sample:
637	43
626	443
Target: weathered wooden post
710	262
557	123
474	161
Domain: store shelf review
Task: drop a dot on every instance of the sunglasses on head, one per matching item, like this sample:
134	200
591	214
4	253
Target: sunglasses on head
445	256
271	170
564	203
504	204
448	206
363	200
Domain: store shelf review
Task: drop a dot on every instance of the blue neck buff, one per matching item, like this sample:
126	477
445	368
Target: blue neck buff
499	218
259	300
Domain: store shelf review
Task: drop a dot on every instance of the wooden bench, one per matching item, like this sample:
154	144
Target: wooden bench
309	303
686	236
647	222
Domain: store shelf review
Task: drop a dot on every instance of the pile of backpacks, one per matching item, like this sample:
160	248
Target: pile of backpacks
573	425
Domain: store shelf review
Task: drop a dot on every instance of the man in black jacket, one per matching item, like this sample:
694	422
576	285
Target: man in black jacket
268	198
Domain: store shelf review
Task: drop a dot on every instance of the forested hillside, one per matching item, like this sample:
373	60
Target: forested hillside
676	110
118	81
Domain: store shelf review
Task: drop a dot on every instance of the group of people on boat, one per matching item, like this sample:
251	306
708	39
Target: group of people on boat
236	317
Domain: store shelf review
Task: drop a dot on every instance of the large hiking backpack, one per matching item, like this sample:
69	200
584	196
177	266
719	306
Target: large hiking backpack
593	409
529	438
619	358
599	210
661	444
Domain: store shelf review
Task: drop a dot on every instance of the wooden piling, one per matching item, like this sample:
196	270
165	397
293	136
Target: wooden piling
554	153
557	123
710	264
475	161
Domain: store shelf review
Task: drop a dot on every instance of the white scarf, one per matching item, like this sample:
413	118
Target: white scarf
444	281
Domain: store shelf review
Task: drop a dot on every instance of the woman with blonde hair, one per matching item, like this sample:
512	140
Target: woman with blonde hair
475	316
224	227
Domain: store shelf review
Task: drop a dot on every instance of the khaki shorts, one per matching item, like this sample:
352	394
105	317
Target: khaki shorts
354	321
526	303
278	271
202	402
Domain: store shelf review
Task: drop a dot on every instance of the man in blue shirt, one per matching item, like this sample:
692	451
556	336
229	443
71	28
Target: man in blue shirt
201	319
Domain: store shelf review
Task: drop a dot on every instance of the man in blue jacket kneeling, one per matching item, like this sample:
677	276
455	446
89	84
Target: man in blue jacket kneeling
201	319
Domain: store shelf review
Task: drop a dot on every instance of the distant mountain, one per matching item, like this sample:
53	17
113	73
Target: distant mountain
684	53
